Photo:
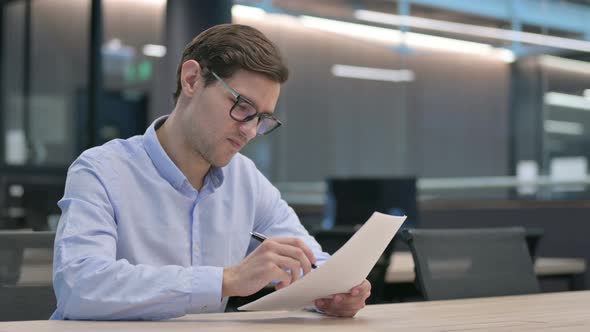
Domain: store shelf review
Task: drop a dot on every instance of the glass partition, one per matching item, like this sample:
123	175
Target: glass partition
44	69
12	94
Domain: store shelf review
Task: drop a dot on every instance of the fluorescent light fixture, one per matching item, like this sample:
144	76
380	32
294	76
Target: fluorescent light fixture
565	64
446	43
384	35
157	2
114	44
572	168
247	12
157	51
456	45
114	48
564	127
566	100
352	29
374	74
391	36
473	30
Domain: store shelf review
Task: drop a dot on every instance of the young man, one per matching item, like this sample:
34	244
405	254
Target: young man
158	226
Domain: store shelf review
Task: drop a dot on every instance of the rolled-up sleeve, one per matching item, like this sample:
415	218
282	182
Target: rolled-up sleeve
91	283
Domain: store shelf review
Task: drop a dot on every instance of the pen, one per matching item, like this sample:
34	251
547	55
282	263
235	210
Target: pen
260	238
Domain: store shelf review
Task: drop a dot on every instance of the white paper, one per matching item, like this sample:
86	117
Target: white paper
347	268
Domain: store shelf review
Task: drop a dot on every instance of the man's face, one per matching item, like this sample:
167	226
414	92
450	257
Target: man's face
207	126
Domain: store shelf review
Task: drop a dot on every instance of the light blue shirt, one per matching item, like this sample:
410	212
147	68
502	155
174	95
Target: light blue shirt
137	241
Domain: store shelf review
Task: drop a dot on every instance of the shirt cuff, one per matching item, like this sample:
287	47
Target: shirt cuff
206	289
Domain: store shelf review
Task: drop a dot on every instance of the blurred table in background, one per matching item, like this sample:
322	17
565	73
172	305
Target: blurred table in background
401	269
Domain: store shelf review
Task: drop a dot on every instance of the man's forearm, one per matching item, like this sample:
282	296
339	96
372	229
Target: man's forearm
95	288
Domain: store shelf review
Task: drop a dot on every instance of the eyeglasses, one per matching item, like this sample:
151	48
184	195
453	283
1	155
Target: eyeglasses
243	111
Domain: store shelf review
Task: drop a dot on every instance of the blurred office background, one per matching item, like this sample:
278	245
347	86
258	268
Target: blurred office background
479	110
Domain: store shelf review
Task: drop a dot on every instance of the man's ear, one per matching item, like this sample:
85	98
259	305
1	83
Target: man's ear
190	76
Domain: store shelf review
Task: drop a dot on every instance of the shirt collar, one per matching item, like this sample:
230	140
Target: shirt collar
166	166
216	174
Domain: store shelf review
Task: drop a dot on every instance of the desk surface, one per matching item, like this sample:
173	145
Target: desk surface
401	267
567	311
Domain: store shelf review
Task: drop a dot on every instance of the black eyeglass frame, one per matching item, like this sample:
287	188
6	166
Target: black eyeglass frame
261	116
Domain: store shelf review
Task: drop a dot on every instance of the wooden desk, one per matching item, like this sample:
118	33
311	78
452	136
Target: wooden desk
401	268
567	311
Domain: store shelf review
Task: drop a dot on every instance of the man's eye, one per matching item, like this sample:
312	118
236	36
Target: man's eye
246	108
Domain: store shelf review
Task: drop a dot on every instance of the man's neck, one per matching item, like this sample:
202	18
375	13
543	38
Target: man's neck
189	161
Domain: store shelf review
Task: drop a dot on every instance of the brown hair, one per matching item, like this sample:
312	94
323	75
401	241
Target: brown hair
227	48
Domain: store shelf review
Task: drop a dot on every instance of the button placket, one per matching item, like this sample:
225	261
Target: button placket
196	254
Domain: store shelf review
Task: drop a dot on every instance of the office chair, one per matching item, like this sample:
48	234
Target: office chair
12	246
533	236
26	302
18	301
465	263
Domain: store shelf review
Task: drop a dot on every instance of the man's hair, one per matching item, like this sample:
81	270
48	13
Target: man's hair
227	48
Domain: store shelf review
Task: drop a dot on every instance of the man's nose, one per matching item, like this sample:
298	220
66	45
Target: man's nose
250	128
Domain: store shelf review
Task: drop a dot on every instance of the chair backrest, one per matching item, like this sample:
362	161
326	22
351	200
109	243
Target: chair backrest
26	239
25	300
533	236
464	263
12	246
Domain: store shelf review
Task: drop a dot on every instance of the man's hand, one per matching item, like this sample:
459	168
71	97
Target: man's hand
346	304
280	259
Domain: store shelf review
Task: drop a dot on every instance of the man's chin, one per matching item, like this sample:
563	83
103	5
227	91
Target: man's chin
222	162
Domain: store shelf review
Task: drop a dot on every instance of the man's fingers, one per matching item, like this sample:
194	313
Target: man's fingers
289	251
299	244
363	287
346	304
290	264
296	249
282	276
341	309
346	300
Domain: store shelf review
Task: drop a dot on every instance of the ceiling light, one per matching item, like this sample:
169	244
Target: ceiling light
473	30
115	48
247	11
564	127
565	64
156	2
157	51
567	101
391	36
375	74
352	29
384	35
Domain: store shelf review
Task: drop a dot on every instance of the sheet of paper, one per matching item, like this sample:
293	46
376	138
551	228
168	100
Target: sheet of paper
348	267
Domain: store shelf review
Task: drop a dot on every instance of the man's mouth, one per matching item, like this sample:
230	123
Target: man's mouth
237	144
